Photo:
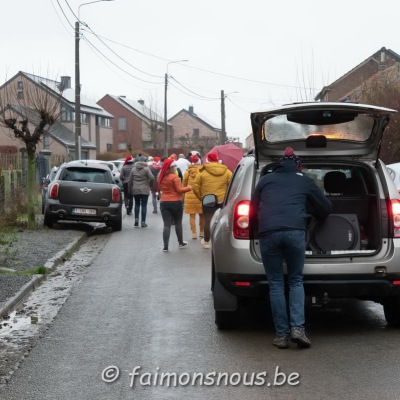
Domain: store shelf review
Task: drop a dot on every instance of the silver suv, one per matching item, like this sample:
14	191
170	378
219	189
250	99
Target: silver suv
355	252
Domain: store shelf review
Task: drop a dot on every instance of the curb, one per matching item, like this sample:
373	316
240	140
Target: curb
37	279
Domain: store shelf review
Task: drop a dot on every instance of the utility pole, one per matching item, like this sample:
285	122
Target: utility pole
223	133
165	117
77	96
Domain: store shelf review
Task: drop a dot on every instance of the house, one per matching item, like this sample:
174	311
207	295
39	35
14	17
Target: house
342	88
96	132
136	126
192	130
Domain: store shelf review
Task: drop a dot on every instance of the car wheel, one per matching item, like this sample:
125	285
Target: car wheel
227	319
117	225
48	221
391	308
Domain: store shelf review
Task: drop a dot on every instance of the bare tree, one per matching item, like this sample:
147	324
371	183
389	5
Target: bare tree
28	111
153	111
383	89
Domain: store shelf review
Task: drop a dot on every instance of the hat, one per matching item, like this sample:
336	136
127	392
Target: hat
167	164
156	159
128	159
141	158
289	155
194	159
212	156
173	156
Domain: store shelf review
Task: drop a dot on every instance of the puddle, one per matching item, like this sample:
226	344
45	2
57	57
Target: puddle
17	322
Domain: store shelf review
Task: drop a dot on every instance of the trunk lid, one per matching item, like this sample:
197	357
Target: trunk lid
341	131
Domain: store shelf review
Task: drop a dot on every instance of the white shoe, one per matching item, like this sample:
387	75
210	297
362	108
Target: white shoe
202	241
206	245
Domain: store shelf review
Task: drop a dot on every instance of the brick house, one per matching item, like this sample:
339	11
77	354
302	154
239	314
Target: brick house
192	130
135	126
342	88
96	133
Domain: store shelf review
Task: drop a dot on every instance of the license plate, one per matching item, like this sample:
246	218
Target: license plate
83	211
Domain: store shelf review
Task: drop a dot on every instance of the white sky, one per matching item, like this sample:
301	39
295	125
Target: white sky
269	52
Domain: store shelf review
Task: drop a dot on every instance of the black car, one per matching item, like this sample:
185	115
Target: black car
84	192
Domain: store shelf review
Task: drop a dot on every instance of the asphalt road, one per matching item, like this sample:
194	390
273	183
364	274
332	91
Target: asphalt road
149	313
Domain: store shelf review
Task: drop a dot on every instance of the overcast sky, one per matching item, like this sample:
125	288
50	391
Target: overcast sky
262	53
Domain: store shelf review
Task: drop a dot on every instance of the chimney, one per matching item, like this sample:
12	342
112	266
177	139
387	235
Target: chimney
141	102
65	83
190	109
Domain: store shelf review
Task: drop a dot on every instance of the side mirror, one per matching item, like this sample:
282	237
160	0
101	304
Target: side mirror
45	181
210	201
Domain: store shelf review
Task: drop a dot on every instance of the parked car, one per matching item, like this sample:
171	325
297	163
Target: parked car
355	252
45	184
394	170
84	191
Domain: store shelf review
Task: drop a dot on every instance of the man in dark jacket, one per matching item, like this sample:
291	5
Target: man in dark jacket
280	202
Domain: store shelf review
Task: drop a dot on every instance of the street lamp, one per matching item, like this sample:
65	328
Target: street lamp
165	108
78	84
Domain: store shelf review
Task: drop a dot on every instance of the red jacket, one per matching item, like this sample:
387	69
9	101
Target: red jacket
171	188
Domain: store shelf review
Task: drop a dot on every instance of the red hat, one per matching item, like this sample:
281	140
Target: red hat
194	159
212	156
156	159
128	158
289	152
289	155
173	156
164	169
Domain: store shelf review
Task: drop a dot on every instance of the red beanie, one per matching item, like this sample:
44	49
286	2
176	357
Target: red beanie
212	157
194	159
289	152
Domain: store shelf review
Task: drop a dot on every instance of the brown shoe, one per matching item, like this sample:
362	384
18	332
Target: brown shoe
194	236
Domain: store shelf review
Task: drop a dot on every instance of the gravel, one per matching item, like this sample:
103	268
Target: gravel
27	249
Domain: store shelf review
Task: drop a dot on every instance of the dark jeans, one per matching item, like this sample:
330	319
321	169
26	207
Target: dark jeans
172	211
276	247
141	202
207	215
128	199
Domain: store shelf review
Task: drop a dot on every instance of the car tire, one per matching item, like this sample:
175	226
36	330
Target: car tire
227	319
391	308
117	225
212	275
47	220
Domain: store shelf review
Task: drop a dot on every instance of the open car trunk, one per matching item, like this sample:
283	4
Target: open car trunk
359	220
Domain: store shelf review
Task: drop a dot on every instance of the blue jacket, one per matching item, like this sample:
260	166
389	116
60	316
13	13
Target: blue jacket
284	199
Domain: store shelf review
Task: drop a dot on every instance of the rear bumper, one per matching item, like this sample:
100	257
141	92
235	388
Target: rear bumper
349	286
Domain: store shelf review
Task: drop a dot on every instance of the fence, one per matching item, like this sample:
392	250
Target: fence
13	169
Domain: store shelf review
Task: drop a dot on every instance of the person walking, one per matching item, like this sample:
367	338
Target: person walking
213	178
171	204
192	204
140	181
279	203
182	163
124	176
155	167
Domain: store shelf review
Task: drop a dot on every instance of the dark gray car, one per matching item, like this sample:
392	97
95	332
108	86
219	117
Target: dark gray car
84	192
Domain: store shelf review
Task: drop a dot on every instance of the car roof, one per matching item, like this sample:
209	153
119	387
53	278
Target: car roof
85	163
324	129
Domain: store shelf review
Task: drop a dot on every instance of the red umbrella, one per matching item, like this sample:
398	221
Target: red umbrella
229	154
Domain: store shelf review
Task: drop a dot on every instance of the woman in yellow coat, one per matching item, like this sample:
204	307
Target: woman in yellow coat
213	178
192	203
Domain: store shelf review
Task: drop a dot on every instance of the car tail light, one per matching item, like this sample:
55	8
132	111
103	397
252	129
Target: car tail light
53	194
242	283
115	195
395	214
241	220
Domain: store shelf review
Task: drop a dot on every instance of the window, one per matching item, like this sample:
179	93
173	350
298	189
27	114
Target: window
109	147
122	146
121	123
103	121
20	85
196	135
20	95
84	118
67	114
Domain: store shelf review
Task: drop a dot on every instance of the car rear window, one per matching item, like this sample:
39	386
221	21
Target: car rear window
356	127
78	174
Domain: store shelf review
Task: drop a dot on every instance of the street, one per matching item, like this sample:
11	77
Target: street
140	319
